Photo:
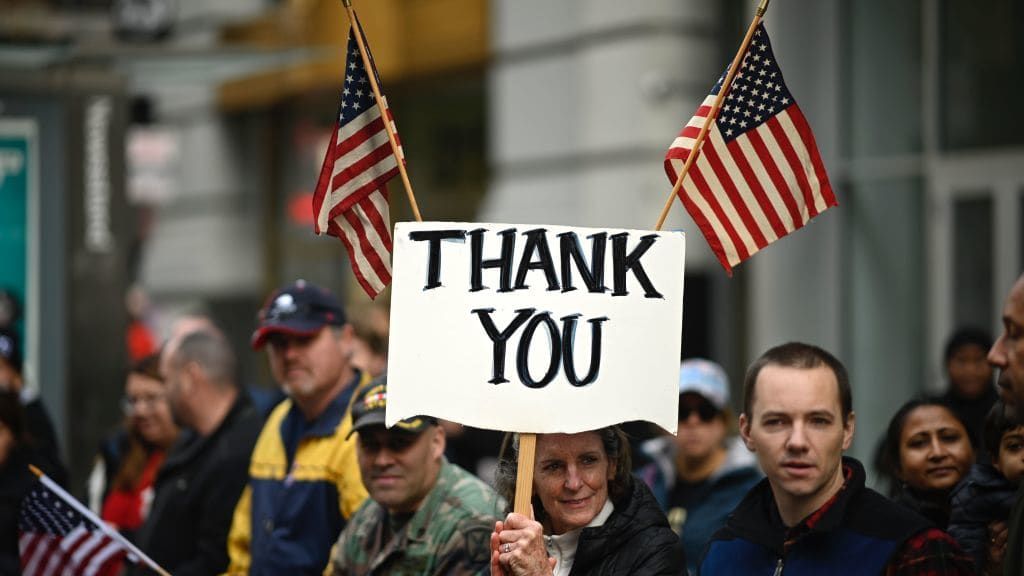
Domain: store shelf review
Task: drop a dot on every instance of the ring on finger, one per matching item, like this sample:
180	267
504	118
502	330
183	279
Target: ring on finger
508	547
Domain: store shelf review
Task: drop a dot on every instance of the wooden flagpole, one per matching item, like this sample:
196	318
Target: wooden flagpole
113	534
692	157
368	66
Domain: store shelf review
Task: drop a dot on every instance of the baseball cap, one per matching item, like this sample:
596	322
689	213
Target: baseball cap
369	405
10	350
298	309
706	378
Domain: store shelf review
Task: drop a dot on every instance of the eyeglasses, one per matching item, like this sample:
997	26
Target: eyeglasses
130	404
704	409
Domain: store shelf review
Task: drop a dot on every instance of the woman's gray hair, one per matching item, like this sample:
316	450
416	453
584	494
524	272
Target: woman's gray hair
616	448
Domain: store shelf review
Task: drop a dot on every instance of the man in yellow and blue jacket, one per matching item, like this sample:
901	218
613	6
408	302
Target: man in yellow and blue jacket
304	480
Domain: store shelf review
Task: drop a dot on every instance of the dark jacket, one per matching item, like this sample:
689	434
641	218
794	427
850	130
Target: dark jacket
41	433
859	533
984	496
195	494
708	503
15	483
634	541
933	505
1013	560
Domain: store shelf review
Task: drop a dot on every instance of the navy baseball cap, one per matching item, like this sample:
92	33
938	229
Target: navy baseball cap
299	309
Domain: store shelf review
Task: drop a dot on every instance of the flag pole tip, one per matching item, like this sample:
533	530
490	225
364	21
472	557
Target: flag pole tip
36	471
761	8
347	3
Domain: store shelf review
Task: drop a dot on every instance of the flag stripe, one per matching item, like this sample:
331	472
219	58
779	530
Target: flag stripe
763	159
751	222
710	226
772	208
793	163
361	268
726	203
321	193
742	150
358	130
796	116
716	210
366	157
791	185
370	235
800	161
375	206
368	168
356	220
103	558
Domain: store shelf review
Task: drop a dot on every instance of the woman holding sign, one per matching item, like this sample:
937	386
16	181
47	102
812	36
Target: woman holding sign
591	516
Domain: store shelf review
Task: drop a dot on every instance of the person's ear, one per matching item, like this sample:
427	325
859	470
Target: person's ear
848	428
745	432
438	442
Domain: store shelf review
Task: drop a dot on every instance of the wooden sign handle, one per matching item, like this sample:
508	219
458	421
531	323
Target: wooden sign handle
524	473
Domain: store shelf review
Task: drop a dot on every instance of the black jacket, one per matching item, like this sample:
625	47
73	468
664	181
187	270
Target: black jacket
635	541
933	505
15	483
859	533
982	497
195	494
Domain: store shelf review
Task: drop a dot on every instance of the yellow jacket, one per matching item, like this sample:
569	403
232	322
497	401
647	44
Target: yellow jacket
288	518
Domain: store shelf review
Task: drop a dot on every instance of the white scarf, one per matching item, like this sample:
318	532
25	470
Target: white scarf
562	547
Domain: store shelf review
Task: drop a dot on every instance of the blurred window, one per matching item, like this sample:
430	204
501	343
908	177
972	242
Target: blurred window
982	74
973	260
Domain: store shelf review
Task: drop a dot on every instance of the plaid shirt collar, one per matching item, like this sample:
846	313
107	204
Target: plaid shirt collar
816	520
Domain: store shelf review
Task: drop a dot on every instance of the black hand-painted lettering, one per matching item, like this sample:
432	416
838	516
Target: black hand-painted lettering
536	242
434	237
500	339
503	262
522	353
572	253
623	263
569	345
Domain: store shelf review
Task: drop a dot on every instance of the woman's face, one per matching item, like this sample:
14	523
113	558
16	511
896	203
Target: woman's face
935	452
570	477
149	411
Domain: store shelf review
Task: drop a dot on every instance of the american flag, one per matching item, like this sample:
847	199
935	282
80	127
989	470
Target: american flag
351	199
55	539
758	175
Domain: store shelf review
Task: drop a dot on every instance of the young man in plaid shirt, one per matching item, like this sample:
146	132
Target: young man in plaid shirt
812	514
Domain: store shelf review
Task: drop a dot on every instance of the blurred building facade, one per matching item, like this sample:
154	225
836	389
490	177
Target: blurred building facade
214	117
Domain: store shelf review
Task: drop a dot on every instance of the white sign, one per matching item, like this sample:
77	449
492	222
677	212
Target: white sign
532	328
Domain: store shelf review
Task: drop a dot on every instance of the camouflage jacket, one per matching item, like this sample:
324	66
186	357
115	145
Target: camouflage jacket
449	534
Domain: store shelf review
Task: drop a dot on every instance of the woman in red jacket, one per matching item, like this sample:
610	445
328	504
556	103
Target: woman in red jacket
150	432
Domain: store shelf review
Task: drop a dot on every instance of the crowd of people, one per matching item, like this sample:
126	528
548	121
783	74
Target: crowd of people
205	481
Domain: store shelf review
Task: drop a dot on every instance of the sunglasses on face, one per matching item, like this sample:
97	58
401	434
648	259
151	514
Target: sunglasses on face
395	442
704	409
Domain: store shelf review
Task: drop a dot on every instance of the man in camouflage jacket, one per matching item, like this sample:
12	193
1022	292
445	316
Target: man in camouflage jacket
424	515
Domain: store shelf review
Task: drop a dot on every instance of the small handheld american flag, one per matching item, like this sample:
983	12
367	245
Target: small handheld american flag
58	535
351	197
758	175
